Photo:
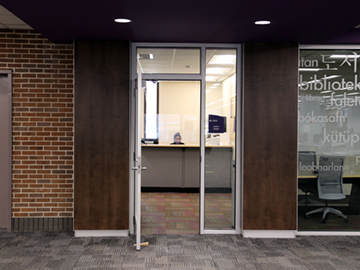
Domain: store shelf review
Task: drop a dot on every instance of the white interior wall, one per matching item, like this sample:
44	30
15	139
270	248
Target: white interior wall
228	93
219	102
179	111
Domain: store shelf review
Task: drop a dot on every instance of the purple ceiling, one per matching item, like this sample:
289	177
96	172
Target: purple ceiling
212	21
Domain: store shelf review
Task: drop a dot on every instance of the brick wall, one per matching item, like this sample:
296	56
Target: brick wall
43	120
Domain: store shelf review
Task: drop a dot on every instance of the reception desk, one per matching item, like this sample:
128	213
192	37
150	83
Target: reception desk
178	166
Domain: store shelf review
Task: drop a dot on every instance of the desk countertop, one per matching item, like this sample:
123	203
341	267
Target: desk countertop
184	146
314	176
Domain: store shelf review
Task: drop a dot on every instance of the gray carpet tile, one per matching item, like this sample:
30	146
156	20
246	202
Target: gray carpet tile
61	250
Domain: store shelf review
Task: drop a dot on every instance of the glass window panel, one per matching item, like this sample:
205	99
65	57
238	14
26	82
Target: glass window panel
151	110
220	117
329	125
171	107
179	109
168	61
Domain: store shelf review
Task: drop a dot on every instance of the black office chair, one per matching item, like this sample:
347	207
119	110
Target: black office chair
330	184
307	167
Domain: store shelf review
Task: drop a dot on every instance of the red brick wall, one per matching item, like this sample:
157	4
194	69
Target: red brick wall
43	120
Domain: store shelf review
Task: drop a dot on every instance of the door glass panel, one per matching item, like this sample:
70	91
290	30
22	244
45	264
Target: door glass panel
171	154
171	107
168	61
150	110
220	117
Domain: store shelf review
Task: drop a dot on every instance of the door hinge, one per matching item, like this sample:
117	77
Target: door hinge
134	220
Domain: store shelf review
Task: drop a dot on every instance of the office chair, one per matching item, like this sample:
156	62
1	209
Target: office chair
307	166
330	184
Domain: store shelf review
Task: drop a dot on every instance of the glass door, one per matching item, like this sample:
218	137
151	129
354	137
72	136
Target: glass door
216	69
170	151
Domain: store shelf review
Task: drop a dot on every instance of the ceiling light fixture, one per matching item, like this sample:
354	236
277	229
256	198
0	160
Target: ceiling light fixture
122	20
316	69
344	56
211	78
309	69
224	59
212	71
262	22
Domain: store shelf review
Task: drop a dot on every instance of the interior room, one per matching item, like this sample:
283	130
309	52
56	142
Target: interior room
328	129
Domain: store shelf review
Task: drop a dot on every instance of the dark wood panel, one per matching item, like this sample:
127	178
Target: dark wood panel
101	135
270	136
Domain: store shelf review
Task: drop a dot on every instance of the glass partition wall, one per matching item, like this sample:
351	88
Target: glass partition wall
192	91
220	138
329	140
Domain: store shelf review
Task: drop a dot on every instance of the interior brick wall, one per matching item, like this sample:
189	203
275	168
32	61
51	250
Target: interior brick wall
43	123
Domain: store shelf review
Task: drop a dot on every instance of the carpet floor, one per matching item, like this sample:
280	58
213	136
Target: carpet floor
63	251
178	213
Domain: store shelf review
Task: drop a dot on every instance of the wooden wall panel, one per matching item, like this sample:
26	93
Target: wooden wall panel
101	135
270	136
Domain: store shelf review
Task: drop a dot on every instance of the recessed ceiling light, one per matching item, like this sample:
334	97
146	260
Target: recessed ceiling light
122	20
214	70
223	59
309	69
262	22
210	78
344	56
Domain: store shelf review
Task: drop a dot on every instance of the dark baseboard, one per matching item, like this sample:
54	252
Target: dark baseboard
184	190
42	224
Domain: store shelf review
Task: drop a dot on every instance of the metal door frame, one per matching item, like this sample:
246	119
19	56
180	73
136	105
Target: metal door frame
195	77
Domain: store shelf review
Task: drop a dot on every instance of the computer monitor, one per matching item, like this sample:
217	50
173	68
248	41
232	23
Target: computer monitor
149	141
217	123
